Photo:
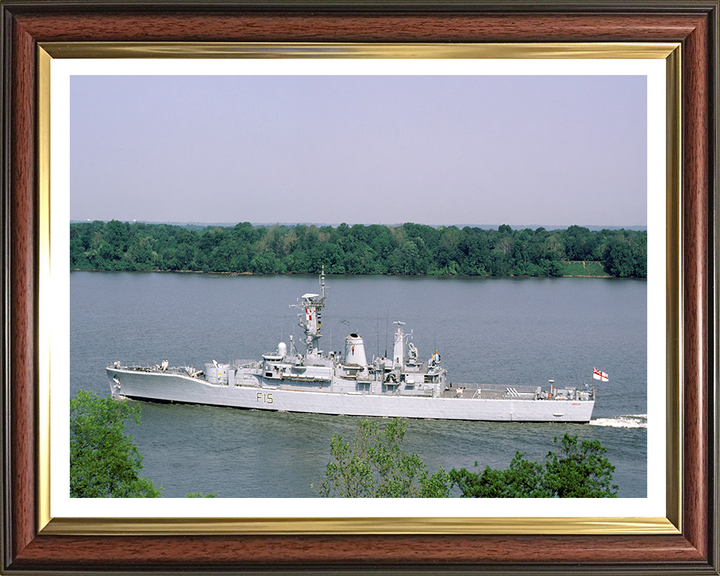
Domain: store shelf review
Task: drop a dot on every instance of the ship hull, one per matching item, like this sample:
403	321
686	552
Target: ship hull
172	387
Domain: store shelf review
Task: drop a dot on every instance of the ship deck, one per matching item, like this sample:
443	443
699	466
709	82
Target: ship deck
490	392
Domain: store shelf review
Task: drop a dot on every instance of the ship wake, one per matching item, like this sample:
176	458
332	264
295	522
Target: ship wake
628	421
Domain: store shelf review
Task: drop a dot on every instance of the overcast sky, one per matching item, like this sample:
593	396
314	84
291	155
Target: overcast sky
441	150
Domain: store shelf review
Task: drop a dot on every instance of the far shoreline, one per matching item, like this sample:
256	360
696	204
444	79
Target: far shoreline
235	274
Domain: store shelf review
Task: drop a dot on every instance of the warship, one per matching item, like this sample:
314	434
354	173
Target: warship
345	383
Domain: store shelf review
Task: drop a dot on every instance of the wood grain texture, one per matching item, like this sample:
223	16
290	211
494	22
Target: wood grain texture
696	203
22	293
289	27
223	552
687	553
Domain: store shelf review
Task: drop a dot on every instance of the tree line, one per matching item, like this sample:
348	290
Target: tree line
358	249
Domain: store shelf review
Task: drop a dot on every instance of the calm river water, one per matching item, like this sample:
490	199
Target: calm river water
488	330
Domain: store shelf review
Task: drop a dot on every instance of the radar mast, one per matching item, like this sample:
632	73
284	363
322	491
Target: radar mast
310	318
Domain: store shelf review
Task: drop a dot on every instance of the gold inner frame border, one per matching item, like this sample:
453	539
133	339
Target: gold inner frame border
671	524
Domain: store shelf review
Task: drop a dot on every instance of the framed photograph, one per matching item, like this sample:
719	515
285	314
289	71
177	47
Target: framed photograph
73	71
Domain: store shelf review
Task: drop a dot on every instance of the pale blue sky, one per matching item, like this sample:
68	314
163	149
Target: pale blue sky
441	150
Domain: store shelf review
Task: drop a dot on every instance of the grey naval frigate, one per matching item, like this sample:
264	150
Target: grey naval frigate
345	383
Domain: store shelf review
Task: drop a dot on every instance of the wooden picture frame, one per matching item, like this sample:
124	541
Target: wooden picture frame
28	548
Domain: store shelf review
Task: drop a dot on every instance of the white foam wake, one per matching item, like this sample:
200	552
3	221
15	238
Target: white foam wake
628	421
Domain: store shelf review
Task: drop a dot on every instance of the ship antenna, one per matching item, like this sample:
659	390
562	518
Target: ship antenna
377	319
322	282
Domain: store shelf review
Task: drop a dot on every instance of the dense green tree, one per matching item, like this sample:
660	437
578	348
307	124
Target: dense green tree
116	234
104	462
580	471
572	472
523	479
579	243
619	260
373	465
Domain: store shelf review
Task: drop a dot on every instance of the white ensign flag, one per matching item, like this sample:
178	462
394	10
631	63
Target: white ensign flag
598	375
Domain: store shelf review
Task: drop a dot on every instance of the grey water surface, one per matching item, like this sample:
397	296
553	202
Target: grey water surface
510	331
